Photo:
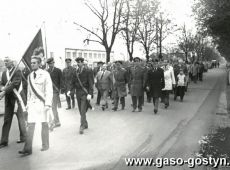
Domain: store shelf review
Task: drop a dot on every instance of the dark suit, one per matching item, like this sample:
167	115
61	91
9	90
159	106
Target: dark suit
86	77
95	71
155	82
56	77
67	75
10	99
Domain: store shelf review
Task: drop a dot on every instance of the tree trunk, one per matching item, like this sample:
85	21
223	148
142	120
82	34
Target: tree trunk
130	56
108	55
147	56
186	57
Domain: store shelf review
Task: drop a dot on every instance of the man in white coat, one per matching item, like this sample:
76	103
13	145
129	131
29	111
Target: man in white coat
169	83
39	102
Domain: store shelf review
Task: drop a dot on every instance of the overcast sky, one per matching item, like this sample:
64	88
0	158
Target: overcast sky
20	20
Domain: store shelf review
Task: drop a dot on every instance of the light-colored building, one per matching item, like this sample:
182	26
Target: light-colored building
92	56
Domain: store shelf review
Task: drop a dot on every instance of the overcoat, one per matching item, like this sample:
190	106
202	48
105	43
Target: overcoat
155	81
138	77
67	75
169	79
120	77
43	84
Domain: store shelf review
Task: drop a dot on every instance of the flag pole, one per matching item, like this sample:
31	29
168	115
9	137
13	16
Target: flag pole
45	38
18	64
46	51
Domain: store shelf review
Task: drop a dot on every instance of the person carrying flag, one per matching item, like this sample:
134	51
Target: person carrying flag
11	88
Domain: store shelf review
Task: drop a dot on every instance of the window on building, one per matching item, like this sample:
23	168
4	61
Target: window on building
80	54
99	56
90	55
95	56
68	55
74	54
85	55
103	56
52	54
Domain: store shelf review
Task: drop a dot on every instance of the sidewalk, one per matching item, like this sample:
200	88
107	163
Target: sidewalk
222	118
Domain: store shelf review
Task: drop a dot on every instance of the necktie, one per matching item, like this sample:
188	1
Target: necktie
34	75
102	74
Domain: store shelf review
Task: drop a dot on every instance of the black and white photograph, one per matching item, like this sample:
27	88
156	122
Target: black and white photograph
115	85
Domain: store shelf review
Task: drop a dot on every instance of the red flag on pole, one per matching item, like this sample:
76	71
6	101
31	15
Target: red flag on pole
36	43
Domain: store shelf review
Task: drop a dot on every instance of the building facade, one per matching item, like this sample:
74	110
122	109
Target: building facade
92	56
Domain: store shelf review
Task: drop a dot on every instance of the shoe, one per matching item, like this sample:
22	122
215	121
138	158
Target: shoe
51	128
3	144
123	108
166	106
155	111
20	141
44	149
68	108
57	125
81	131
133	110
114	109
86	126
103	108
140	110
25	153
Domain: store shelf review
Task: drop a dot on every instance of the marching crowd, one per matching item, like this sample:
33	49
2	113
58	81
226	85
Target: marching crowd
35	95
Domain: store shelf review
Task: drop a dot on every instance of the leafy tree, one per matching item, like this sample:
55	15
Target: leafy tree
213	18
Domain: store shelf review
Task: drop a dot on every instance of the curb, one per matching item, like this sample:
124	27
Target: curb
222	116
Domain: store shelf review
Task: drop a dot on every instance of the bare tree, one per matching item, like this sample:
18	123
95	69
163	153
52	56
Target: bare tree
164	27
110	22
131	23
186	43
147	28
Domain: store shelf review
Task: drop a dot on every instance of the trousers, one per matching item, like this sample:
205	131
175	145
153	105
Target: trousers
8	116
30	135
82	106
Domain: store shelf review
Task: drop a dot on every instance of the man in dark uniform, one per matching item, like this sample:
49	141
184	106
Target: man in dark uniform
119	88
155	83
13	93
83	83
95	71
147	68
68	74
137	84
56	77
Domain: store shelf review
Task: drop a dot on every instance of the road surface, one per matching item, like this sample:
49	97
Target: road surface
113	136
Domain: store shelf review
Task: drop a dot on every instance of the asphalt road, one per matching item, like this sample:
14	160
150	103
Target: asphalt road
113	136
